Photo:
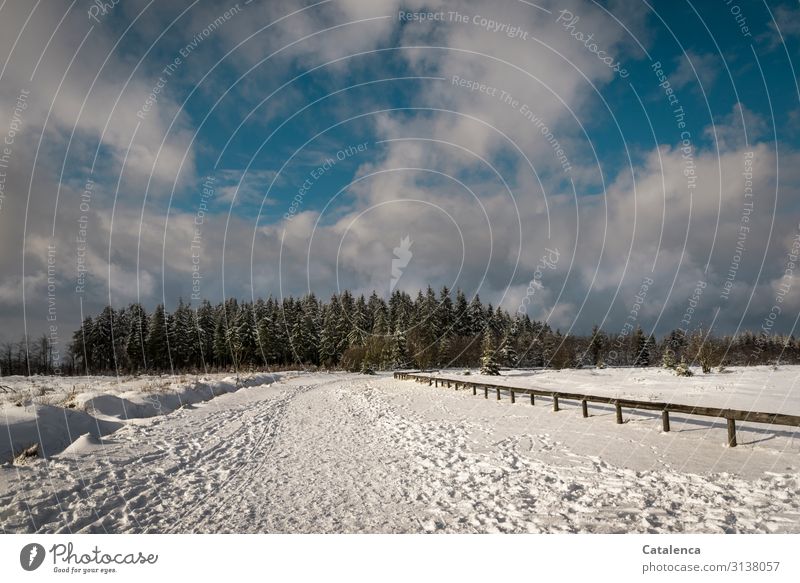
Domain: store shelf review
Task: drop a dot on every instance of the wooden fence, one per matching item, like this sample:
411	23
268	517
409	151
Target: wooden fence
730	415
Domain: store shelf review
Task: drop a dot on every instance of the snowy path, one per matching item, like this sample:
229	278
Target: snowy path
348	453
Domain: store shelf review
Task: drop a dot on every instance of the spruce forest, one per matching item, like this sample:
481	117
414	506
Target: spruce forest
367	334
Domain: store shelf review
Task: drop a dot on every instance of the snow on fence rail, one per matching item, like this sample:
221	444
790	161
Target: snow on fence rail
731	415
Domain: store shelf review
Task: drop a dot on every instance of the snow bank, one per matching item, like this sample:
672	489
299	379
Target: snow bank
97	413
85	444
139	404
53	428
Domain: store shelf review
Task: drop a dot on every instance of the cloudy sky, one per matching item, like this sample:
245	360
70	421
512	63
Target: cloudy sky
584	162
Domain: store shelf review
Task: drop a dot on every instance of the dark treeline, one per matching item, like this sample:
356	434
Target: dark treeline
364	334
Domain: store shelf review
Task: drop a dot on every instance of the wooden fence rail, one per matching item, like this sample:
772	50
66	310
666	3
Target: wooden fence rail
731	415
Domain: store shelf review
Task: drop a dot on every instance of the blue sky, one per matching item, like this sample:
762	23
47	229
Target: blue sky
262	94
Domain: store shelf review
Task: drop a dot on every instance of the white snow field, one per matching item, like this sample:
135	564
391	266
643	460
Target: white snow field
354	453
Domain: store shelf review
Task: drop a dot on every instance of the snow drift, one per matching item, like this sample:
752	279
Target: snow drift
98	413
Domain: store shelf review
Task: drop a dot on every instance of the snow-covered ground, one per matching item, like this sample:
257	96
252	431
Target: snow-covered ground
751	388
353	453
52	412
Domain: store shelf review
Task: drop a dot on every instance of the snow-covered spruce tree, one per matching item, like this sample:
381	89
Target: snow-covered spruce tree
80	348
328	342
377	310
652	348
157	351
245	341
271	342
597	345
222	353
305	335
489	364
102	340
136	343
641	348
476	317
312	324
676	343
396	311
182	338
299	337
204	332
668	360
499	320
461	324
563	353
429	312
422	340
379	324
379	344
444	312
443	350
508	347
358	323
399	350
120	336
342	323
547	345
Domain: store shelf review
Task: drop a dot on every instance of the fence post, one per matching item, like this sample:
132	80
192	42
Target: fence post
731	432
619	412
512	397
584	408
531	398
665	421
474	391
498	392
485	392
555	401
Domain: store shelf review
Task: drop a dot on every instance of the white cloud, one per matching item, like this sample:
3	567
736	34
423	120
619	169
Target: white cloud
699	70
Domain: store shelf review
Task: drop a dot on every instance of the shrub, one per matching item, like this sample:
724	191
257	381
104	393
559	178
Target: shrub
353	358
489	364
683	370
